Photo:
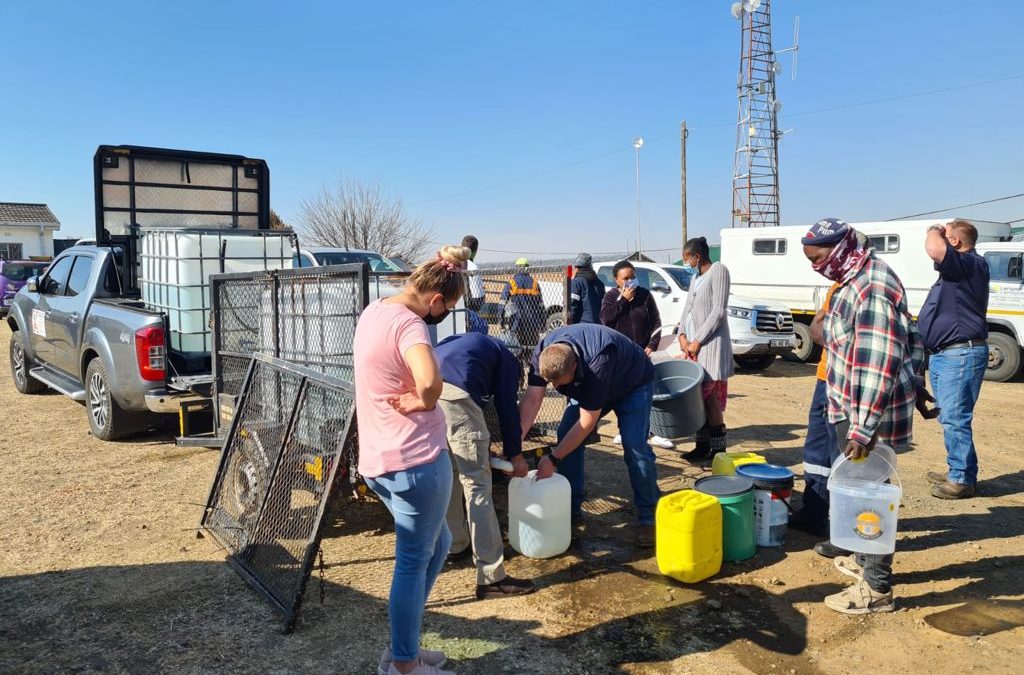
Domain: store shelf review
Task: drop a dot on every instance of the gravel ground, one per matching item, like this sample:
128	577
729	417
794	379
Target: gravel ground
101	570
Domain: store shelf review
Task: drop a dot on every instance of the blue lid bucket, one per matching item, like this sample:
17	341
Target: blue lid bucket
767	476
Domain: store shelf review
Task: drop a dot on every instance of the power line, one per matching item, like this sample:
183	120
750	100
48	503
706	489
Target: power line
800	113
676	247
960	206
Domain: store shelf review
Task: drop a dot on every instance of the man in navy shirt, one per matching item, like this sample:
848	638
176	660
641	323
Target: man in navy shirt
599	370
586	292
477	370
954	330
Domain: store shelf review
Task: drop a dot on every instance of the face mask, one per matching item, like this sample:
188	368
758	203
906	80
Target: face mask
432	320
631	283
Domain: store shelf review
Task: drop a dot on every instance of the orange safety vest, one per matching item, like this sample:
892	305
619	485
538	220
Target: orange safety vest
515	290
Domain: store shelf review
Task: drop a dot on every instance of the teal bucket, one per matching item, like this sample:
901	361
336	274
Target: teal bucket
736	495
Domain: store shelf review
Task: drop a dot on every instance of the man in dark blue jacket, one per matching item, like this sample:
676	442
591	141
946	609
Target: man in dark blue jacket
599	370
479	370
586	292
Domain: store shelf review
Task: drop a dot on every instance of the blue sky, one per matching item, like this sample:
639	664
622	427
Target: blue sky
457	106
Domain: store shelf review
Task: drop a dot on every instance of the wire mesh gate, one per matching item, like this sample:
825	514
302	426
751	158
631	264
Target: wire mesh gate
306	316
285	444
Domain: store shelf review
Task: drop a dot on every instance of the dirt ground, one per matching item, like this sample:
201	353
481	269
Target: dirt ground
101	570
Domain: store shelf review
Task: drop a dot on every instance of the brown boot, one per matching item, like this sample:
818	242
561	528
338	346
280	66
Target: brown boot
645	536
936	478
951	490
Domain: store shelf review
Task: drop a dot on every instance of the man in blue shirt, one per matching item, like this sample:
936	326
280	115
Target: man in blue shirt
586	292
954	331
478	370
599	370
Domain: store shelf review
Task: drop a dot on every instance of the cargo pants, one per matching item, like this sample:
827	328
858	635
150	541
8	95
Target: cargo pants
471	517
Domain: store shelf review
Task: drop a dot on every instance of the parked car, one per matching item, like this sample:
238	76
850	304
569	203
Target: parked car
321	256
13	275
760	330
386	280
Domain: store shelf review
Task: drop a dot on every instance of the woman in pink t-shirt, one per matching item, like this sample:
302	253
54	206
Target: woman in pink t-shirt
402	443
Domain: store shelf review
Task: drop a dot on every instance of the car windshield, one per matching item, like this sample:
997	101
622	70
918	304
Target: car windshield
681	277
21	271
377	263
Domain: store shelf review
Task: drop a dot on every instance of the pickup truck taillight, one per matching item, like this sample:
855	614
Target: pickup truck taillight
151	352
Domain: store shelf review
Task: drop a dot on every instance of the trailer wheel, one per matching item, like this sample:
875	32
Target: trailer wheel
805	349
20	365
1003	357
107	420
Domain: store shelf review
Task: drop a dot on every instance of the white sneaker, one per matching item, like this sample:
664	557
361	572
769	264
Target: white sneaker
617	440
427	657
663	443
420	669
847	564
861	599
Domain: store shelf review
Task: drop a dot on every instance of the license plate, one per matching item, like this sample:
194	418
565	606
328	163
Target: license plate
780	343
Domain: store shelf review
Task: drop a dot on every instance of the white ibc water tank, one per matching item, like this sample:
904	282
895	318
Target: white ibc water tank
316	321
175	273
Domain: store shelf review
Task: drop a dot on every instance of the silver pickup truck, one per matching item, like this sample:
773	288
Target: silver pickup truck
74	333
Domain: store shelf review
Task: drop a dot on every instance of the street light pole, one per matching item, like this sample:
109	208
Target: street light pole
638	143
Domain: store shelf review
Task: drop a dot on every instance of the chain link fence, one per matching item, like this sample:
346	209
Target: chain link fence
519	306
308	316
284	447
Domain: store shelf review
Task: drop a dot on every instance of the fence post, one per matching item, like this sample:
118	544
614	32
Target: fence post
567	299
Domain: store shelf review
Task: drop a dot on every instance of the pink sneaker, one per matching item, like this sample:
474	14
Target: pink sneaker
427	657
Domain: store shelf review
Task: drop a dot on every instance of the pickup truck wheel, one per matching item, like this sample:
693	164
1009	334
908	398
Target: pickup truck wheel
107	420
20	365
1003	357
758	362
805	349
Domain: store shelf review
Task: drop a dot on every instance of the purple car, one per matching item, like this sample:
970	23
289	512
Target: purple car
13	275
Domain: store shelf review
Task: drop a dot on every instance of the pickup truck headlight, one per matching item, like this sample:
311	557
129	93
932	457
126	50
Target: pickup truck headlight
739	312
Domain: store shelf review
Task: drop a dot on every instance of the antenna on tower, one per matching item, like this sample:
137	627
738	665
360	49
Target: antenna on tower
795	49
755	178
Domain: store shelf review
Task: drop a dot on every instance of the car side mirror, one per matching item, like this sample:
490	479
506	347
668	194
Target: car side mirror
660	287
32	284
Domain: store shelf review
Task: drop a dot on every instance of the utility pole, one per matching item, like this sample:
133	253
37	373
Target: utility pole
683	133
638	143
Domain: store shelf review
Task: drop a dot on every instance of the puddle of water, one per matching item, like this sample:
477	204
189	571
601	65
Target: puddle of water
979	617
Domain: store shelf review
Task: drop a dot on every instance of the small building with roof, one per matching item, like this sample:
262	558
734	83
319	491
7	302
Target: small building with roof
26	231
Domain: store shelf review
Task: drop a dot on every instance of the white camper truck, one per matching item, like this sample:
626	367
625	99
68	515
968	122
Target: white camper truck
769	263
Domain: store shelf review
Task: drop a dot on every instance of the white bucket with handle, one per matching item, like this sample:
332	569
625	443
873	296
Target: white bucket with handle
863	506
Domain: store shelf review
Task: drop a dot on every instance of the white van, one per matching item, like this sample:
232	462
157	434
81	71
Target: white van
760	330
770	263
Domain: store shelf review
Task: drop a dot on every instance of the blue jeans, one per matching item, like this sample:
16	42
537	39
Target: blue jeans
634	417
956	376
417	499
820	450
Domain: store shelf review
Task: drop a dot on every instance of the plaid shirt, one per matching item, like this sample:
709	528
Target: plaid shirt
873	354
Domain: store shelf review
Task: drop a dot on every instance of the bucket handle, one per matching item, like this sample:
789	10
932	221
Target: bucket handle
844	458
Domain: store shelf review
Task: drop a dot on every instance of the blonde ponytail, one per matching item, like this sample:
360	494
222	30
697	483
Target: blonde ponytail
444	273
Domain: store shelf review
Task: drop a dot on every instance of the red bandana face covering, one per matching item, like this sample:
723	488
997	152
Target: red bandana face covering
844	260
